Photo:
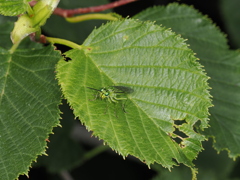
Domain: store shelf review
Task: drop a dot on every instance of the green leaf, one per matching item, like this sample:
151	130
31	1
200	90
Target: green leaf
208	167
28	24
221	64
63	152
178	173
13	7
230	14
28	106
170	91
57	26
4	19
23	27
5	41
42	11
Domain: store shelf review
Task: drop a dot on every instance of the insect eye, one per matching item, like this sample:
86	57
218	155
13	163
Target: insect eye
106	94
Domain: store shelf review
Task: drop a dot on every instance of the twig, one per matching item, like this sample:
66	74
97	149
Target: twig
71	12
66	175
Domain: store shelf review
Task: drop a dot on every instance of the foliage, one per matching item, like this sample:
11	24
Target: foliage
216	58
163	121
29	104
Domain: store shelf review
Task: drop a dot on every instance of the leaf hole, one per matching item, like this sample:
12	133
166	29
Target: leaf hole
179	122
175	161
196	126
178	135
66	58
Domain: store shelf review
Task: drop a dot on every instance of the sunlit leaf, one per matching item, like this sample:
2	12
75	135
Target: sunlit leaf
221	64
170	91
13	7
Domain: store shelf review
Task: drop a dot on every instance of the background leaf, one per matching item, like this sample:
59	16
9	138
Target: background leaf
5	36
28	106
63	152
5	19
170	91
231	16
210	166
76	32
221	64
13	7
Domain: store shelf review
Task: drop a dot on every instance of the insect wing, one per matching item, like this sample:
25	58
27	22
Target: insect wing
124	89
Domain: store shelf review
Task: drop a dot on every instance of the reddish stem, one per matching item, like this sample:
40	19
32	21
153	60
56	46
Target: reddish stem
42	38
71	12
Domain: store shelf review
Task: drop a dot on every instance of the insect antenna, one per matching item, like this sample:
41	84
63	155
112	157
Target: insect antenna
93	89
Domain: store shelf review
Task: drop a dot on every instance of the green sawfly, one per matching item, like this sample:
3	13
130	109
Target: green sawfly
113	94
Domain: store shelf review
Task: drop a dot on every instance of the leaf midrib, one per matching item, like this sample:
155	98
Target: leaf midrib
5	80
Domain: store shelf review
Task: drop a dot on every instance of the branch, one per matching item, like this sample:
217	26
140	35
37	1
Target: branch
71	12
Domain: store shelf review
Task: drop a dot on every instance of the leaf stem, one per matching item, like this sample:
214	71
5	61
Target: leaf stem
14	47
29	9
63	42
37	35
86	17
93	153
66	175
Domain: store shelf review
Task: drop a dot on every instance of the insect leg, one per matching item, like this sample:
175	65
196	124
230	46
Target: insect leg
112	99
106	109
116	111
120	98
96	96
123	106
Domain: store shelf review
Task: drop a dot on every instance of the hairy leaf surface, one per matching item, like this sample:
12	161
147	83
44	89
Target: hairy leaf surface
13	7
29	102
64	154
221	64
170	91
